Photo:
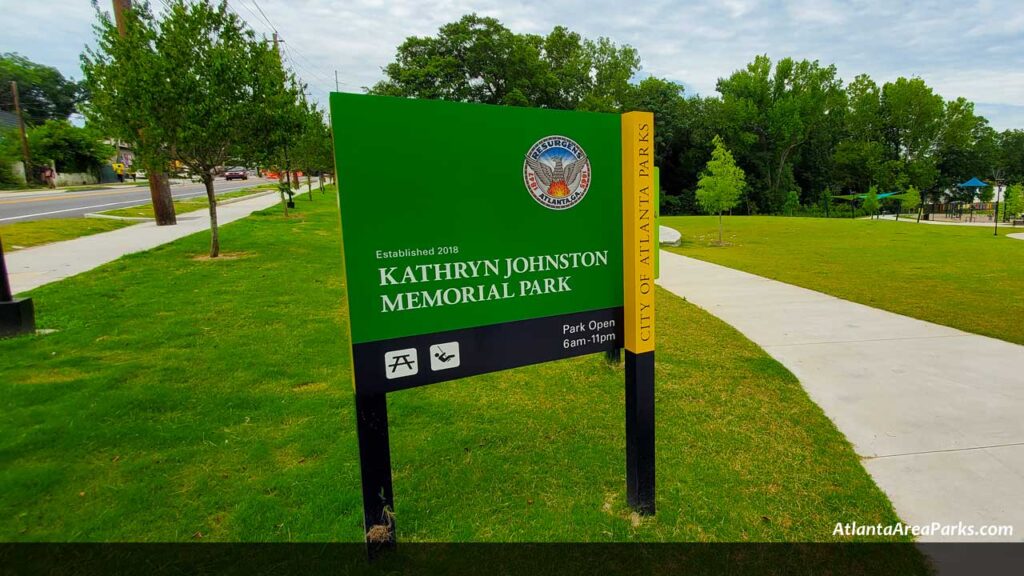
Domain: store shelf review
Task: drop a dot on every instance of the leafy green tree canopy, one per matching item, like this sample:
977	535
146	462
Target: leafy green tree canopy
70	148
721	184
911	199
477	59
196	87
871	202
779	110
44	93
1010	154
1014	200
792	203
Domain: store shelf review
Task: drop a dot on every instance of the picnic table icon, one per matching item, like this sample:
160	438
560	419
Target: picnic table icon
402	360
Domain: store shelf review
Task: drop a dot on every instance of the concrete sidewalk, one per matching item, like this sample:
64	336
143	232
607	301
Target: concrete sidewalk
34	267
938	414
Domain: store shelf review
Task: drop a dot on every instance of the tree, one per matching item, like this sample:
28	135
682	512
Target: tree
721	184
792	203
1010	154
312	151
861	155
477	59
987	194
665	99
44	93
910	200
779	111
826	200
70	148
10	152
871	201
1013	201
208	97
124	75
966	146
912	116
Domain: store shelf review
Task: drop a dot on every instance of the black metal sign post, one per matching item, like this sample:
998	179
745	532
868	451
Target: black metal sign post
17	316
640	432
375	469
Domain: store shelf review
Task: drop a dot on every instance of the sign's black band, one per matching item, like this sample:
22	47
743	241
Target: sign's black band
399	363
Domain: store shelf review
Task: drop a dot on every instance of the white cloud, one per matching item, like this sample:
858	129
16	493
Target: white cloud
970	49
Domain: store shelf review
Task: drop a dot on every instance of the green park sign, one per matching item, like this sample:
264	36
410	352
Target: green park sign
481	238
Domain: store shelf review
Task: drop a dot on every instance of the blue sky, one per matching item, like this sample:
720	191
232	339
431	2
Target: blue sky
973	49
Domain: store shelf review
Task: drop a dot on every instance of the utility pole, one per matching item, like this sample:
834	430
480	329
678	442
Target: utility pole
119	7
21	127
287	162
159	185
337	87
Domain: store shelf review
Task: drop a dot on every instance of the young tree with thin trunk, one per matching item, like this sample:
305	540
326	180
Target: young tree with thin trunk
1013	201
910	200
721	184
871	202
312	149
214	95
223	103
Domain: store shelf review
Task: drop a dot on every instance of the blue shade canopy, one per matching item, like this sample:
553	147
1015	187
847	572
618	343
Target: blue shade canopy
973	183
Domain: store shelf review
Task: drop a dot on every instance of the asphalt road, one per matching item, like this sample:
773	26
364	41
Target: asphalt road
76	204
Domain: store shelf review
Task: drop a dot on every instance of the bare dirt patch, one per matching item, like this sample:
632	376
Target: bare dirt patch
223	256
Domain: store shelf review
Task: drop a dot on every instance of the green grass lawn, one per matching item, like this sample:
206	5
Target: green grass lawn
26	234
959	276
184	398
188	204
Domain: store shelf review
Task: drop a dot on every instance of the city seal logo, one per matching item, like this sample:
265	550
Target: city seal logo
557	172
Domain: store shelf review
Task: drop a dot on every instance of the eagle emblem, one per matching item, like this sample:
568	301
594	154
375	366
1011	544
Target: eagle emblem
557	172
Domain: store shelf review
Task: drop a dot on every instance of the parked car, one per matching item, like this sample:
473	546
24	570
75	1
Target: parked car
236	173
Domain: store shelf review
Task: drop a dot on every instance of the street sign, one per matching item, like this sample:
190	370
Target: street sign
481	238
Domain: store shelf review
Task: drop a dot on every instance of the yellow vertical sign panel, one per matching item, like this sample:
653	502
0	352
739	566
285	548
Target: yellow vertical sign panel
639	227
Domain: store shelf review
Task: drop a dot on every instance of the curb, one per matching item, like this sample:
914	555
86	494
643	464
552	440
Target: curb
143	219
256	194
111	217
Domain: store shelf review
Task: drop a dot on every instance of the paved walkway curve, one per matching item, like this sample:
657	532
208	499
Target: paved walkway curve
937	414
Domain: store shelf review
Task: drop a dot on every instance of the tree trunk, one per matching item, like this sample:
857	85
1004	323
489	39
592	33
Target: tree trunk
211	197
160	194
309	185
284	196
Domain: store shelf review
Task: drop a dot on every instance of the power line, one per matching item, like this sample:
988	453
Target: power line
320	78
262	13
295	57
246	6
